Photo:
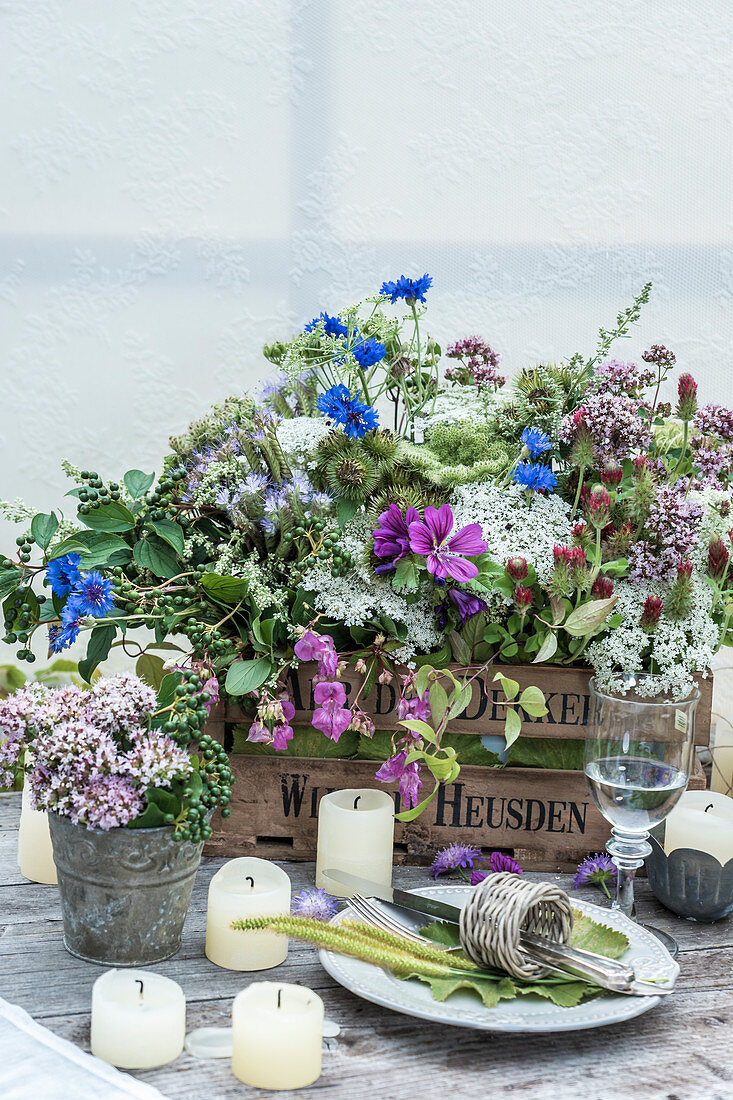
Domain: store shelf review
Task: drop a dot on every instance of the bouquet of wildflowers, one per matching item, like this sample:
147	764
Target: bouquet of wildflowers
416	521
99	757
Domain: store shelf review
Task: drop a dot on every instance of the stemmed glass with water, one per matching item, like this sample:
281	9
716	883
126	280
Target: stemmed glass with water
639	752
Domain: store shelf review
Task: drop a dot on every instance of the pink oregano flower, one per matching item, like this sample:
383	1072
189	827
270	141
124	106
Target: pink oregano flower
444	555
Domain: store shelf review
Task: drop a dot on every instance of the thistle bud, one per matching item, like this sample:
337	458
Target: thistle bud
522	599
651	614
602	588
598	505
686	397
517	568
718	557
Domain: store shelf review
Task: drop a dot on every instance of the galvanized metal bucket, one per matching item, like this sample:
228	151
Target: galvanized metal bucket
124	893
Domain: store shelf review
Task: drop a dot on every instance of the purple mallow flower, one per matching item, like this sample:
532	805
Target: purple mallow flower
392	537
467	604
453	857
445	555
315	904
598	869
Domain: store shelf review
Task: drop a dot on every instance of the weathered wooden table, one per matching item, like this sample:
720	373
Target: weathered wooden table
680	1050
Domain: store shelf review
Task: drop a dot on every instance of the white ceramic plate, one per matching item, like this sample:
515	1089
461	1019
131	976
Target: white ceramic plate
648	956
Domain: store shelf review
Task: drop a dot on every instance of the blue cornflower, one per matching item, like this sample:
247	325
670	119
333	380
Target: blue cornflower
368	352
93	595
332	326
412	290
63	574
534	476
315	904
61	637
536	442
356	417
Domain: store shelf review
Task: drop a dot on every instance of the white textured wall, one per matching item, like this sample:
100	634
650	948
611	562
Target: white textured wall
183	179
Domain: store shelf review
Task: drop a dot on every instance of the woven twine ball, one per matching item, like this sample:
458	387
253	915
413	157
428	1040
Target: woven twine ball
501	907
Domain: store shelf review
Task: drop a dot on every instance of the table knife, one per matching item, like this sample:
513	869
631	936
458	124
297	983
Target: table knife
610	974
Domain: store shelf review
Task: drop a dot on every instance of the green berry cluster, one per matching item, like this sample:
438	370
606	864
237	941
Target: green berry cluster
94	493
25	545
163	501
18	626
321	542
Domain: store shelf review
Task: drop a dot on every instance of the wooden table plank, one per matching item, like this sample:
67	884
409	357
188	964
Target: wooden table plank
679	1049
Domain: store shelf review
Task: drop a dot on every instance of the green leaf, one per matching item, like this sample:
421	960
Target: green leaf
512	726
159	803
438	660
151	669
418	726
345	511
532	701
43	528
508	686
263	631
227	589
405	576
109	517
490	990
588	935
587	618
157	556
438	702
547	649
9	581
95	549
170	532
617	568
100	643
461	702
423	679
410	815
137	483
245	676
443	933
461	651
560	609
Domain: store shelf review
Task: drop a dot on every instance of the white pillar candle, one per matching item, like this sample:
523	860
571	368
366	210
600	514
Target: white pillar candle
35	851
722	777
138	1019
703	821
246	887
277	1036
355	834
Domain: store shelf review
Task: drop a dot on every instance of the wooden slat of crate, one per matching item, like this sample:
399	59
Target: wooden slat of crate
547	818
566	693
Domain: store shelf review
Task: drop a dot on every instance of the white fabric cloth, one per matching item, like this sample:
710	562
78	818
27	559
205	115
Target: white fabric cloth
36	1063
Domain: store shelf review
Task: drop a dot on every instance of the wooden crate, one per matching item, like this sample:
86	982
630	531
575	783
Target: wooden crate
545	818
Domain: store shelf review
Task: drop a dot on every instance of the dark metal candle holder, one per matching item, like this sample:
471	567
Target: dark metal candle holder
690	883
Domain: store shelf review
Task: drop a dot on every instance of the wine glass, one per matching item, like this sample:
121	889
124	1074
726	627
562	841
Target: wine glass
638	758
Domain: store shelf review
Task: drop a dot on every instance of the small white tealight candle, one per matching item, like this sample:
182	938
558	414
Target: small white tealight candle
703	821
246	887
138	1019
355	834
277	1036
35	851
